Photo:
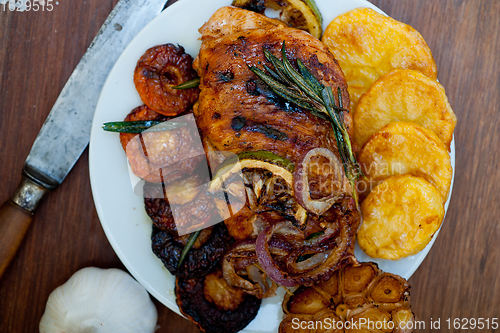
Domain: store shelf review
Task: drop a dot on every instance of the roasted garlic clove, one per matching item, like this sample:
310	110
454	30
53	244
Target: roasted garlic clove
357	279
307	301
388	290
359	298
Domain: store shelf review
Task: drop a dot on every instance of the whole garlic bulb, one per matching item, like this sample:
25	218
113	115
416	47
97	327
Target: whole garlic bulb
98	300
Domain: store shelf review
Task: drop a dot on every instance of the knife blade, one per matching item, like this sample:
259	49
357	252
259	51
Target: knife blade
66	131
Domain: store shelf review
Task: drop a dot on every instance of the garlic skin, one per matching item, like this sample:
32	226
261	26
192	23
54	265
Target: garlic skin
98	300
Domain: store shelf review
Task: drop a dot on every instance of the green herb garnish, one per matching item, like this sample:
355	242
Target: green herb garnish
315	234
304	90
188	84
192	239
140	126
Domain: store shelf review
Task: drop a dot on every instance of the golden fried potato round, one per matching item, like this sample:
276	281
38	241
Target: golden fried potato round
368	45
404	95
406	148
400	216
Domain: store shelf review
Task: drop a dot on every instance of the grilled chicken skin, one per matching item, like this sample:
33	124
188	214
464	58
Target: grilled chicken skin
237	112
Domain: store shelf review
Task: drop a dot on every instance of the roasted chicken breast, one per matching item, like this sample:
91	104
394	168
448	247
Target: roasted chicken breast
239	113
236	111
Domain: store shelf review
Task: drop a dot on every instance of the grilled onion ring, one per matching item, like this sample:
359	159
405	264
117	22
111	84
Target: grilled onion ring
241	260
329	254
302	186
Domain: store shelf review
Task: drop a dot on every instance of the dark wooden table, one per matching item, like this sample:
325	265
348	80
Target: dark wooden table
458	279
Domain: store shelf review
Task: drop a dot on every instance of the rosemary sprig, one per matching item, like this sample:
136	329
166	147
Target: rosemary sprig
189	244
142	125
188	84
303	89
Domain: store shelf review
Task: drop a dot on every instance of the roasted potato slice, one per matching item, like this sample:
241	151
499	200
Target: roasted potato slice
400	216
404	95
405	148
368	45
357	293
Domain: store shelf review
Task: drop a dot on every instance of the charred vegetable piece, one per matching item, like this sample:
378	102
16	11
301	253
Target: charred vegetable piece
299	14
313	166
357	293
290	256
263	182
198	262
215	306
241	268
140	113
158	208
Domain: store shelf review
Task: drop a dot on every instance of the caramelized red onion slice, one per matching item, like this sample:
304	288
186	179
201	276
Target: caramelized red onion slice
340	251
268	286
313	262
277	256
320	248
319	255
231	277
328	255
266	260
244	249
241	258
301	182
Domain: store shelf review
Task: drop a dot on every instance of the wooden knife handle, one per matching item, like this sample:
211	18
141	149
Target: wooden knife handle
15	218
14	223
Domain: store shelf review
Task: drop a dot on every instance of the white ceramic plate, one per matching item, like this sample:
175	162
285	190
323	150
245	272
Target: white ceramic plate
121	212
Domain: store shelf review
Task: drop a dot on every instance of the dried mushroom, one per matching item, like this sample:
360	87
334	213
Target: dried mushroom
215	306
199	261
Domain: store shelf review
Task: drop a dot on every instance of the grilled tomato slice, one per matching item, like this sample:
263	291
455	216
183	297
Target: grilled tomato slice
158	71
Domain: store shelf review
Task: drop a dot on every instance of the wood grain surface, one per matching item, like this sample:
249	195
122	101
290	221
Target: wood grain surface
458	279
